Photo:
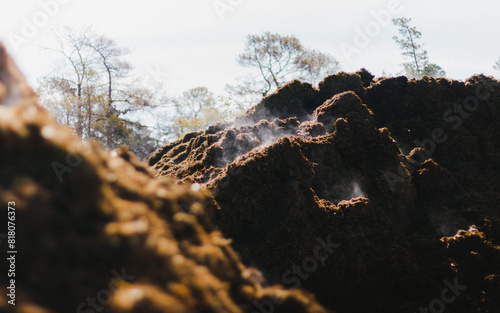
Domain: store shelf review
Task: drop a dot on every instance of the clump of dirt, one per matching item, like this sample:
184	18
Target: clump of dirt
376	195
96	232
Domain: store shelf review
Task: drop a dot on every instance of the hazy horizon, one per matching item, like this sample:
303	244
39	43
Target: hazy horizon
195	43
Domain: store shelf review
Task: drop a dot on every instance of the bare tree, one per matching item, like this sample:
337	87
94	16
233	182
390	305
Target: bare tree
68	85
273	55
192	102
91	90
278	59
314	65
197	109
419	65
110	57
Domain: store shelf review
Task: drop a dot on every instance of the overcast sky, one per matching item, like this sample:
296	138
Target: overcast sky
190	43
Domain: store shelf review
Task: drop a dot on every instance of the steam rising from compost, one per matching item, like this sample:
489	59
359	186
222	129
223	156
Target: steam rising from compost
350	163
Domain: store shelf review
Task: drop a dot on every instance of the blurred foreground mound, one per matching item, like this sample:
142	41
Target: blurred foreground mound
95	232
377	195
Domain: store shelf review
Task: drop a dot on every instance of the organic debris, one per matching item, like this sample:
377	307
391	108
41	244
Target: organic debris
397	178
96	232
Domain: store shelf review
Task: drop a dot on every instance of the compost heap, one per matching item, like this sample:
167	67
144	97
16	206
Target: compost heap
96	232
396	180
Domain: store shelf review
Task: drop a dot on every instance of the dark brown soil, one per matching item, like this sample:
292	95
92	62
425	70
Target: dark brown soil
399	178
96	232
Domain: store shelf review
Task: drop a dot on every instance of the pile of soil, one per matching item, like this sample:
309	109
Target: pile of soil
96	232
376	195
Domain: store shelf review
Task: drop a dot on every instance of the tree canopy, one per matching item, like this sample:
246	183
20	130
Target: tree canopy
418	64
277	59
91	90
197	109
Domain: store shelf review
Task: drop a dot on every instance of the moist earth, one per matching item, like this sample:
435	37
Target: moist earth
96	232
374	194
